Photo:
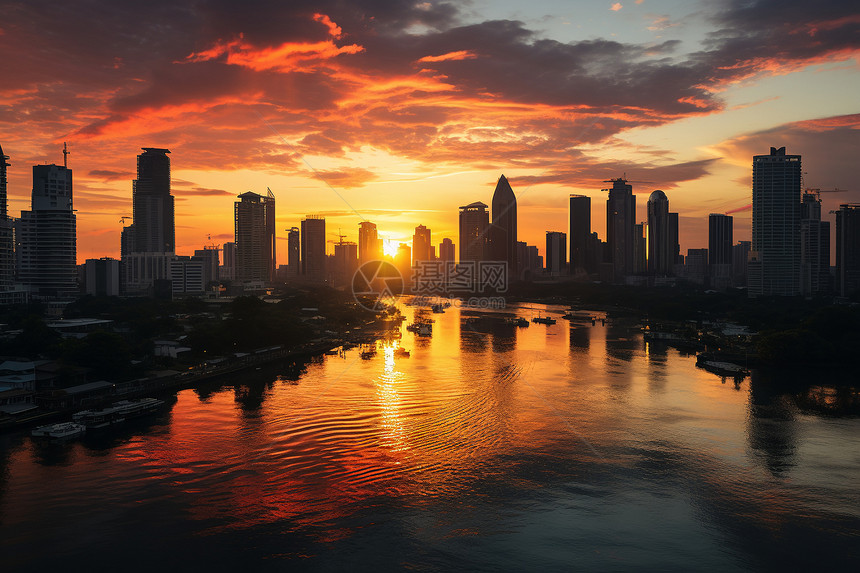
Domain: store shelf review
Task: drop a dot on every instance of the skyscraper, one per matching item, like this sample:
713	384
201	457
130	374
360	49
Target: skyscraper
152	203
446	251
556	252
848	249
774	267
7	263
255	237
474	224
368	242
294	252
503	235
345	262
720	239
814	246
421	246
47	262
580	229
620	219
313	248
662	243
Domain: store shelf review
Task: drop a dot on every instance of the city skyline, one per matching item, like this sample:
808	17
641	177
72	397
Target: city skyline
392	115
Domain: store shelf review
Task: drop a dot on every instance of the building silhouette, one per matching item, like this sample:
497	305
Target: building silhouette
503	233
446	251
7	251
345	262
369	245
620	221
421	246
581	261
662	239
774	267
254	218
814	246
403	263
848	249
294	252
474	225
101	277
740	258
556	253
46	236
153	210
720	239
313	248
228	266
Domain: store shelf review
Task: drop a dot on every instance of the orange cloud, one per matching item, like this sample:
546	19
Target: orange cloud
333	29
283	58
450	56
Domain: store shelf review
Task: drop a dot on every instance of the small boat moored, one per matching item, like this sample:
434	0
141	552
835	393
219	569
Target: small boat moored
61	431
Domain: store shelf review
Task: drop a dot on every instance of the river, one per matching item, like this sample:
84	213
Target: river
562	447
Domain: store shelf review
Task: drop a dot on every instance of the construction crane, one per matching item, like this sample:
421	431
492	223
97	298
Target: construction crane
66	155
123	218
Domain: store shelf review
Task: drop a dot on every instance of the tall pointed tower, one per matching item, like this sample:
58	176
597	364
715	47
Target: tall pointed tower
503	232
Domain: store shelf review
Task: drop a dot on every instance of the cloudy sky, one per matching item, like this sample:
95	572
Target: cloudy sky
399	112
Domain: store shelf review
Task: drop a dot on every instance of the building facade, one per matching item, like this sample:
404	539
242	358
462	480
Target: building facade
153	205
775	257
620	220
47	236
848	249
814	246
503	234
474	226
556	253
579	230
313	247
254	217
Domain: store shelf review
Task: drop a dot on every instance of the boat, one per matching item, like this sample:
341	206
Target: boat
61	431
138	407
438	308
368	354
99	419
401	352
117	413
521	322
723	368
423	328
543	320
332	352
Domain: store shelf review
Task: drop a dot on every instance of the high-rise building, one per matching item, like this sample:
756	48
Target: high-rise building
7	251
740	256
209	256
639	249
446	251
345	262
774	267
814	246
46	235
696	266
313	248
620	219
403	263
474	225
503	234
421	245
294	253
101	277
720	239
848	249
368	242
579	231
255	237
556	252
662	236
228	266
152	203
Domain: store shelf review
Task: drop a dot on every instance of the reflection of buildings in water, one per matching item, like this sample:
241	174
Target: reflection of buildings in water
621	342
656	354
504	339
580	337
771	424
472	340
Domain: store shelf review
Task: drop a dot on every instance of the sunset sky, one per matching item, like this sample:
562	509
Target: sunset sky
399	112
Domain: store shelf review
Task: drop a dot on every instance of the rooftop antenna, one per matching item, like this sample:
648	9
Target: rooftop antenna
66	155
